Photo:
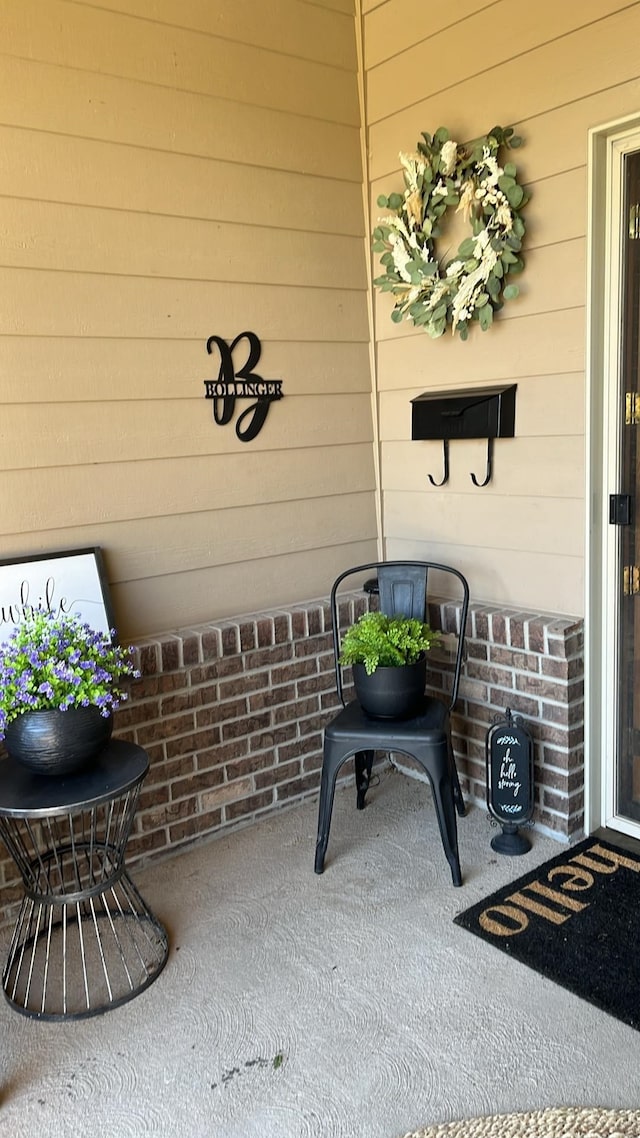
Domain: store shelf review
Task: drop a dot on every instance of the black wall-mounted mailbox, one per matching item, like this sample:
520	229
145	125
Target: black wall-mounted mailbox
469	413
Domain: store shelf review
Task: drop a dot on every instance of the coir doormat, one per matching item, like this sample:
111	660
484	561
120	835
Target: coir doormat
575	919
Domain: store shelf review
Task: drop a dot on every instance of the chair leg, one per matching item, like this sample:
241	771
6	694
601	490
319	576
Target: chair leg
442	786
457	796
445	809
457	792
325	806
364	763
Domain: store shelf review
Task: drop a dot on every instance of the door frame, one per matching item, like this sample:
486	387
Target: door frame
607	145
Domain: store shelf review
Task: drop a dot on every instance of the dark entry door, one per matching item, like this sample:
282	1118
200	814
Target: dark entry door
628	742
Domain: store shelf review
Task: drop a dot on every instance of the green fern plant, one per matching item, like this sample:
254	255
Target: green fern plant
380	641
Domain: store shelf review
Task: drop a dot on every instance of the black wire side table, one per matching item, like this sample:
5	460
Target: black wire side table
84	939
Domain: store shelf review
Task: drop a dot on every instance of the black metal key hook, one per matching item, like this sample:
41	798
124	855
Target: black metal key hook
445	456
487	478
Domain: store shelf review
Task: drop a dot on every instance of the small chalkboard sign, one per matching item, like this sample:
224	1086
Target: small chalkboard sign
510	780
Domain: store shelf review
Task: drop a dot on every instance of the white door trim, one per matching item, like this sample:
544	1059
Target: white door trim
607	146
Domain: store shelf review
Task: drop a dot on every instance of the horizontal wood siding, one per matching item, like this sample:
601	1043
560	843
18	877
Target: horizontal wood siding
553	71
173	170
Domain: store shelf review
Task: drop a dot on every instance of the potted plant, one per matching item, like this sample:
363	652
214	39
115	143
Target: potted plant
60	680
388	658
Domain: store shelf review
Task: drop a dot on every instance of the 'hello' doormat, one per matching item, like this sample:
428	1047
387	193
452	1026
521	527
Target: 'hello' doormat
575	919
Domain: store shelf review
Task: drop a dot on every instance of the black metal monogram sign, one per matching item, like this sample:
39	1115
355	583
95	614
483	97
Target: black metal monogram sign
245	383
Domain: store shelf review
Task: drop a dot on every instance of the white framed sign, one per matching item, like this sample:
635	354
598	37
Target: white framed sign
70	581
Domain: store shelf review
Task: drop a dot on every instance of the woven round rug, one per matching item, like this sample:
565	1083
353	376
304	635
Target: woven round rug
562	1122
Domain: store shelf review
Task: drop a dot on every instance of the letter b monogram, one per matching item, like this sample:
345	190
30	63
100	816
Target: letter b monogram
244	383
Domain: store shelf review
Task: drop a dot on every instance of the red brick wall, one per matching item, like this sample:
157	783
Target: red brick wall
535	666
231	715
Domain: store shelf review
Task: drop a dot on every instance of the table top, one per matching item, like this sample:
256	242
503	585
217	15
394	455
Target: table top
117	769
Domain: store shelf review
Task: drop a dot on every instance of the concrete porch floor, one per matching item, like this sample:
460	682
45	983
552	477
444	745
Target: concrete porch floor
296	1006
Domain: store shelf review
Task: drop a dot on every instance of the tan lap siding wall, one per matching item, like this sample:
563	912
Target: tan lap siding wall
553	71
173	170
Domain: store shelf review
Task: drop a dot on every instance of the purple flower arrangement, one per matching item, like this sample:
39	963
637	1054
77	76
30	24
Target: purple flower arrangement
57	662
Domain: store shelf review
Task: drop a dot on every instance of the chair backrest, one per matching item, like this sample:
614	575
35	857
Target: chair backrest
403	588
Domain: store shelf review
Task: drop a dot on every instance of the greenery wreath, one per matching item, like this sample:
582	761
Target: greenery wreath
471	286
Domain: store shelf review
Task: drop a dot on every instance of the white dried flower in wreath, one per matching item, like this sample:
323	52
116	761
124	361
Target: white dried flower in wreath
473	285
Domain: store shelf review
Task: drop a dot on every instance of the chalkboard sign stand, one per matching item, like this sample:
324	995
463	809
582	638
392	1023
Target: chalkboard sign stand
509	753
510	841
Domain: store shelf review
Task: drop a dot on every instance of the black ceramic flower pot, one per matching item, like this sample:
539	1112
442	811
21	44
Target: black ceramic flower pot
57	742
391	693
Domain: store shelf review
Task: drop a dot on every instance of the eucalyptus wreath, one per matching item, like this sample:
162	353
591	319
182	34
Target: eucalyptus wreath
473	284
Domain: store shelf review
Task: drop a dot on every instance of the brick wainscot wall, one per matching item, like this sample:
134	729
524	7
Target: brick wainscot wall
231	715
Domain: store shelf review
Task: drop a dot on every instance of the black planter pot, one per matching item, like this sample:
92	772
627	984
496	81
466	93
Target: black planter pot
391	693
57	742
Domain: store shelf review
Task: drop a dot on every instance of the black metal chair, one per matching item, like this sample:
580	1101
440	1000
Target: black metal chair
426	737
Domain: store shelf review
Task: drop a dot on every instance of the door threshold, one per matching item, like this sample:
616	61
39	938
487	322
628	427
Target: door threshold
625	841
